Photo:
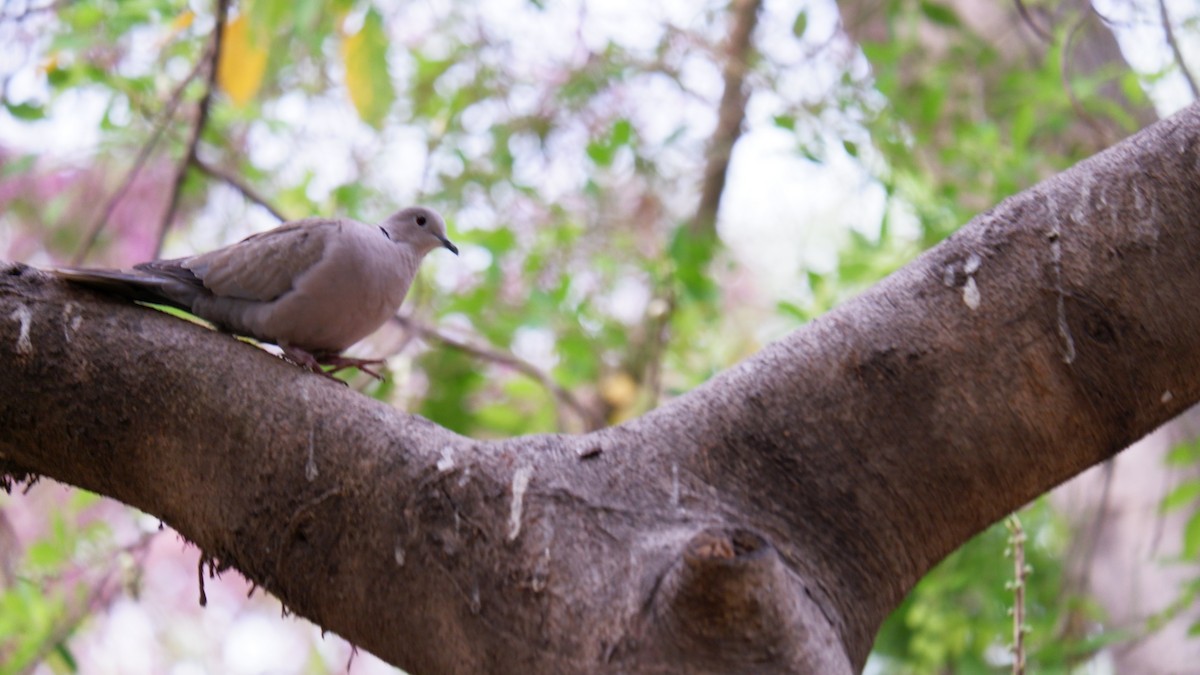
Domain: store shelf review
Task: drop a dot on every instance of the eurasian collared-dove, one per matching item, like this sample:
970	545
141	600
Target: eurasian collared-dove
314	286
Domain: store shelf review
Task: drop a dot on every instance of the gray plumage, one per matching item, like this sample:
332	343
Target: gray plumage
314	286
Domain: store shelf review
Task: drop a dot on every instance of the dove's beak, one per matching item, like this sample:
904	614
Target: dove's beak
446	243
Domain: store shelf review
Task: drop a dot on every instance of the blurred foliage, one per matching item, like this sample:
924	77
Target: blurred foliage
48	599
958	617
567	169
1184	497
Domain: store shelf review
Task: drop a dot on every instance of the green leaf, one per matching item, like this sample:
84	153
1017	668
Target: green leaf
498	241
43	554
68	659
448	404
81	16
25	111
1191	537
604	150
792	310
60	77
622	132
601	153
1184	494
273	15
17	165
808	153
800	24
307	12
692	253
1184	454
364	56
1023	125
939	14
851	148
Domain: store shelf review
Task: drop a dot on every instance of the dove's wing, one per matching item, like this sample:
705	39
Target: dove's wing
261	267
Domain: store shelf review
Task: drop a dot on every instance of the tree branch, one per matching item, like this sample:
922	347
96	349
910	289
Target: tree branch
248	192
1103	135
1042	338
185	162
768	520
731	113
98	596
590	418
1029	21
168	113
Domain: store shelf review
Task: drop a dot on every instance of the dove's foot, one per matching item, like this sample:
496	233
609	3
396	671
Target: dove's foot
306	359
315	361
339	362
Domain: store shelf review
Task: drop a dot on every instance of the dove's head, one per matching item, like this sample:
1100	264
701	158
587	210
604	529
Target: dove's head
419	227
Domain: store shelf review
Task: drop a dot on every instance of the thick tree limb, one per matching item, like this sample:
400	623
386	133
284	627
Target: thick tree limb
766	521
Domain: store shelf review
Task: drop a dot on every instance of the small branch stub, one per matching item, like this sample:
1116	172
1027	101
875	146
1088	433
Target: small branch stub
728	598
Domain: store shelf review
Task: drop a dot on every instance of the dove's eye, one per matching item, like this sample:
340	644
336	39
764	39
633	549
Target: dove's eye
421	221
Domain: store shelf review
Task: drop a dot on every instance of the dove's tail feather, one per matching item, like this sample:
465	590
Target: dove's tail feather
137	285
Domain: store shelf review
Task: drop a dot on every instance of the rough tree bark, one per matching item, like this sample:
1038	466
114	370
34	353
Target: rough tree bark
766	521
1120	533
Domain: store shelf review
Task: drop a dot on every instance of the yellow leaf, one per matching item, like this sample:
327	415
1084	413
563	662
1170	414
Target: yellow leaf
183	21
243	61
364	55
619	390
356	81
177	26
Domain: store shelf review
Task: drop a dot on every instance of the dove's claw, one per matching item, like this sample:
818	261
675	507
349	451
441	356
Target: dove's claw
307	360
315	361
341	362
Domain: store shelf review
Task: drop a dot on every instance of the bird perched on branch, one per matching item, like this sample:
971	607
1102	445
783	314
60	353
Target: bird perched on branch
314	286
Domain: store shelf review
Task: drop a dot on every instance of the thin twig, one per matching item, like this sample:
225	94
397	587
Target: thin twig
1079	564
660	334
731	113
1077	105
197	128
100	595
168	114
249	193
1028	19
564	396
1016	538
1183	67
1096	528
